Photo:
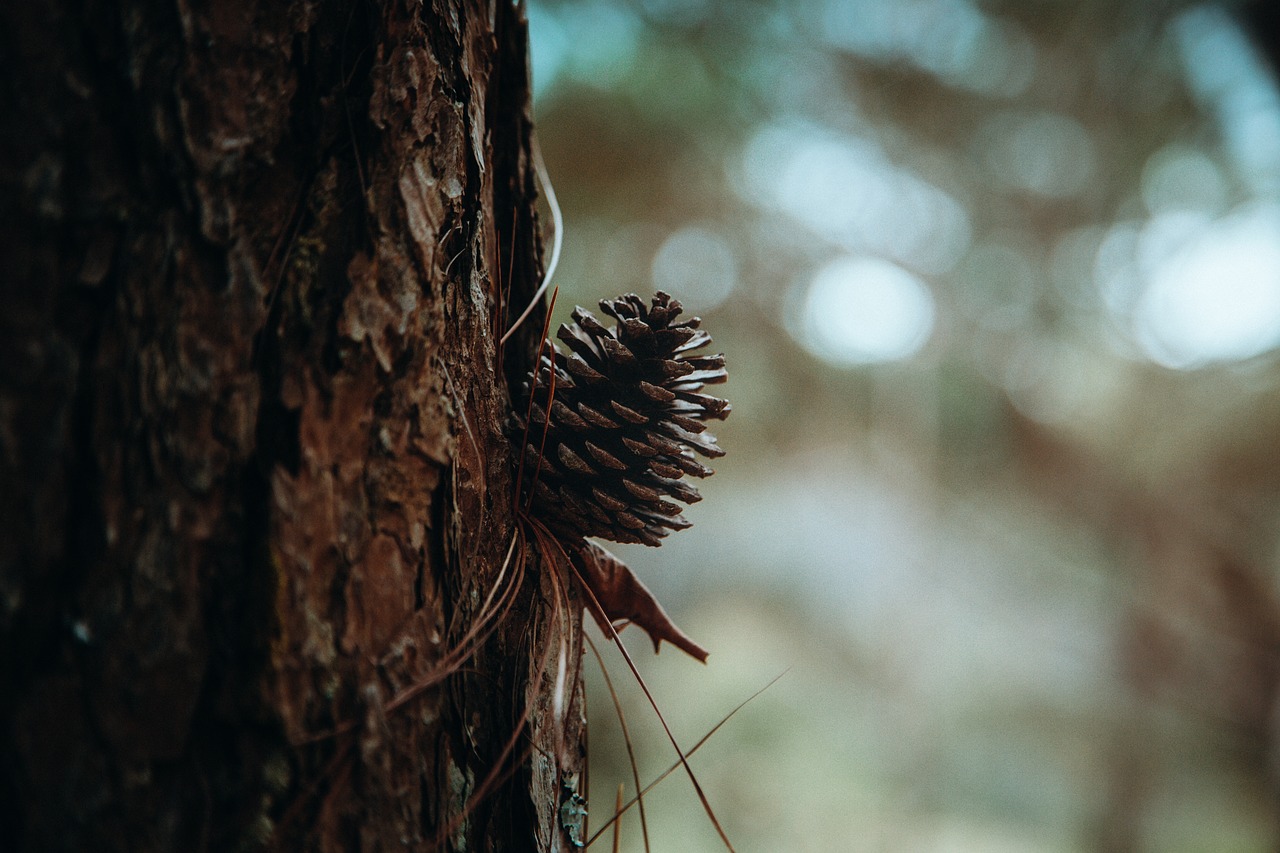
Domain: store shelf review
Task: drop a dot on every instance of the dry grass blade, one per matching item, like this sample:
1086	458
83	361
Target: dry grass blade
631	664
631	752
617	827
639	797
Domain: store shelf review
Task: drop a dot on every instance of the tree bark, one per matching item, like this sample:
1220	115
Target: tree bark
255	491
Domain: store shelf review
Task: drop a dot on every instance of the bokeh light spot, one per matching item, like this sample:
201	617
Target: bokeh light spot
1229	77
594	42
1217	298
697	266
865	310
847	191
954	40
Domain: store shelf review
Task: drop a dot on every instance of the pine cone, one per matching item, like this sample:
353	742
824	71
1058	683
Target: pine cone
625	420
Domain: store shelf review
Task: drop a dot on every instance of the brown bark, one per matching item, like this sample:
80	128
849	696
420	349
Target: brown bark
254	487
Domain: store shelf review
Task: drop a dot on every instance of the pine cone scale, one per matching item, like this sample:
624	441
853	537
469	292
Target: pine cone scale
628	414
615	421
595	417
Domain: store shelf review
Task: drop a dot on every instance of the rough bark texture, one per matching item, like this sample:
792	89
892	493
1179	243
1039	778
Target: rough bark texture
253	481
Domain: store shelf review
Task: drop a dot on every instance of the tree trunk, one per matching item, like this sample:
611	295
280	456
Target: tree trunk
255	488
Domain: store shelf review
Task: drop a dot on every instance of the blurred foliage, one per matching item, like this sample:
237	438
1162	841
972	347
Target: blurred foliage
999	285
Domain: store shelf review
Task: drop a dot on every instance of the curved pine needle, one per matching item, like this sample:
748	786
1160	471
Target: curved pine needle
528	415
546	428
491	615
487	620
559	707
557	220
504	286
502	769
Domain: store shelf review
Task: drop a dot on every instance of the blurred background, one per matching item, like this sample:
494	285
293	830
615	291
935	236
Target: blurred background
998	282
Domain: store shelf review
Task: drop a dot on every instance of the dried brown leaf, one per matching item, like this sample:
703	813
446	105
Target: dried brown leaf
624	597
